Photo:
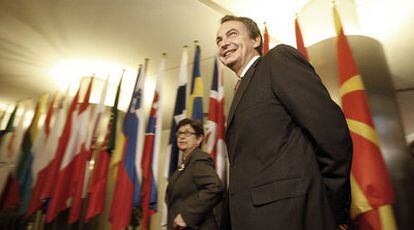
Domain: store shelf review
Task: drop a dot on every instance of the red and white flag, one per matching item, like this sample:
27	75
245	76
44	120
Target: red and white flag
40	158
71	170
215	143
150	155
81	173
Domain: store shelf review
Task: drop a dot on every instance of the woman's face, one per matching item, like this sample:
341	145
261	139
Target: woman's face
187	140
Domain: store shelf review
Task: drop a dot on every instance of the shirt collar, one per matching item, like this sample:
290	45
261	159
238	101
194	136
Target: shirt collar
248	65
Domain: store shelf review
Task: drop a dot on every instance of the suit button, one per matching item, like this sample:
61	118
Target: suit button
231	163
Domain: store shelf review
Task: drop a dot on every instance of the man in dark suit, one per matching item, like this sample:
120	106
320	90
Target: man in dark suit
289	146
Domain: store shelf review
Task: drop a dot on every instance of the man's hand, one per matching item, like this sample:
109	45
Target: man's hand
179	222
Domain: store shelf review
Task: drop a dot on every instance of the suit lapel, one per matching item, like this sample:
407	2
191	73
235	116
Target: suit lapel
240	91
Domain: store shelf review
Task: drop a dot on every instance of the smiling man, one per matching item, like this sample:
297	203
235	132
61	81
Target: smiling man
289	147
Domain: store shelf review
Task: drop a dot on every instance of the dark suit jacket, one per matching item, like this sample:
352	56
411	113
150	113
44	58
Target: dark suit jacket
194	192
290	149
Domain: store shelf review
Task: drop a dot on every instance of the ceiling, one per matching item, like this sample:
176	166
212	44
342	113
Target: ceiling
45	45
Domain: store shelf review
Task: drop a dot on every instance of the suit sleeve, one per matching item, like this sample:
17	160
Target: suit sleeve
210	192
305	98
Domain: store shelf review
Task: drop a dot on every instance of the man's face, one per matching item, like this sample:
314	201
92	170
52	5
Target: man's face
235	46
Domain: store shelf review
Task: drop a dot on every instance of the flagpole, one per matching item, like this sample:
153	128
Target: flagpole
36	224
146	61
96	149
42	220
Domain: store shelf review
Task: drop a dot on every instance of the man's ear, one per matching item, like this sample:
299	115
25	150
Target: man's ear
257	42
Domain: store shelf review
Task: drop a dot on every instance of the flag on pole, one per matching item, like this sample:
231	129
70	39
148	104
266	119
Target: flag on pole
117	142
53	168
66	158
173	154
372	194
196	93
9	125
300	45
97	114
150	155
179	114
127	186
265	41
12	194
74	162
4	140
39	155
118	151
44	162
85	157
71	171
24	168
215	143
81	171
97	189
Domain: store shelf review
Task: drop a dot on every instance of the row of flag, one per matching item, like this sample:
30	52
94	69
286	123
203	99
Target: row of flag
53	159
52	175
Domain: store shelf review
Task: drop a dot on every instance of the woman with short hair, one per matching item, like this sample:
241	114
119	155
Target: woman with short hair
195	188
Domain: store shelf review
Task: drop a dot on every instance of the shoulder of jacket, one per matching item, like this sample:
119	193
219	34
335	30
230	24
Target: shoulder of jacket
283	52
282	48
201	155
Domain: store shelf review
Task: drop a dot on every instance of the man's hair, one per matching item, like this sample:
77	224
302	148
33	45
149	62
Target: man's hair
195	124
251	26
